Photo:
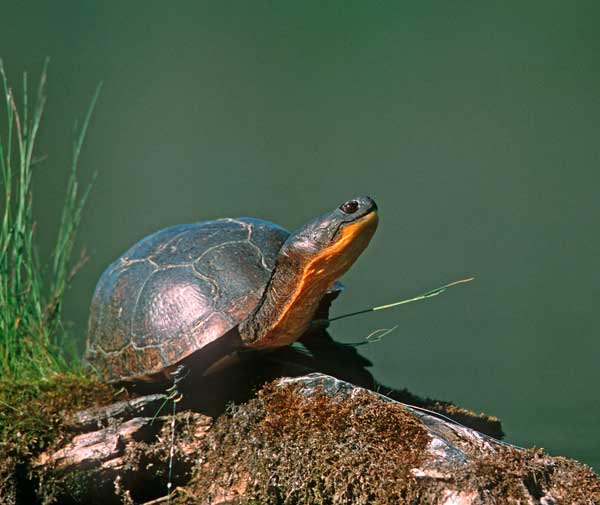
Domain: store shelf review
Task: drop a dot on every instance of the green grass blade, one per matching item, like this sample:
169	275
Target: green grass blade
28	337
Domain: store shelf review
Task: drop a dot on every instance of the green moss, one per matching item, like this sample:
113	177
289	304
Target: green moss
289	447
519	474
286	446
33	415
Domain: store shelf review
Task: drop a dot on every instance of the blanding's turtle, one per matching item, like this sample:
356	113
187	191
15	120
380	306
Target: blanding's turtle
210	289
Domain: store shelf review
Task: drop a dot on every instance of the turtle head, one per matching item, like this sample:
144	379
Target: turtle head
309	262
333	241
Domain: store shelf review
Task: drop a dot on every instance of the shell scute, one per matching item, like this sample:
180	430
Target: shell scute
185	248
203	333
237	270
267	237
112	309
171	301
152	244
119	365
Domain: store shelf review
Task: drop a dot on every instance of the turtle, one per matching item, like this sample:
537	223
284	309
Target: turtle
203	292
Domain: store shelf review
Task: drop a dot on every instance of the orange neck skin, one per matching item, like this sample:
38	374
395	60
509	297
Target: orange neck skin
300	280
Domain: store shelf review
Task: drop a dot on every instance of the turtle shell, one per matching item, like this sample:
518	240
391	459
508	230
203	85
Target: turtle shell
177	291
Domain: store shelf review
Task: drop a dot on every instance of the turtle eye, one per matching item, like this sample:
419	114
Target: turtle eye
349	207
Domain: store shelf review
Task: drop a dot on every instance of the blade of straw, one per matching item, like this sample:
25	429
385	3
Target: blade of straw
424	296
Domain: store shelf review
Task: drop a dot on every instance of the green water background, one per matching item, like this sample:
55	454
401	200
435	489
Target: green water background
475	125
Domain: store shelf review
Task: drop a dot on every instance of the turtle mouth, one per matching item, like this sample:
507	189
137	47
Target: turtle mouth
364	224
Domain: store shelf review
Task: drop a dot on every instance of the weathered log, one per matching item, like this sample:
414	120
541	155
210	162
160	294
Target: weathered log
116	449
301	439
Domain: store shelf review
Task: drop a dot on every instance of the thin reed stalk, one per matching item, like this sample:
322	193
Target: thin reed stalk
32	294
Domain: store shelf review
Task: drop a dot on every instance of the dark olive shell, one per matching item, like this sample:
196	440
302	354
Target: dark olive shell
176	291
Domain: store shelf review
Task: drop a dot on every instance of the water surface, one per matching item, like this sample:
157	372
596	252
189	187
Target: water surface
474	126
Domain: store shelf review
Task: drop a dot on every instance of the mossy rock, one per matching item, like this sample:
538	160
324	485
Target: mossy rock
309	439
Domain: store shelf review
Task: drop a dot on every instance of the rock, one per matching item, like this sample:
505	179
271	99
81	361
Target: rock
308	439
315	439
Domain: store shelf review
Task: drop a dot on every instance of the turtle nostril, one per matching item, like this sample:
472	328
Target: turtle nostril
349	207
